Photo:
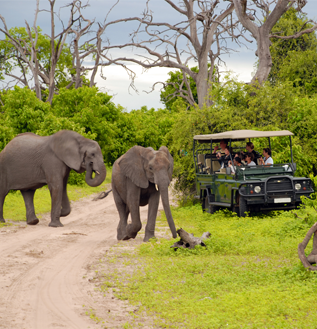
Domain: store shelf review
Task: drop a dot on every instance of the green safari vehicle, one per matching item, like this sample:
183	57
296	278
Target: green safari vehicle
249	188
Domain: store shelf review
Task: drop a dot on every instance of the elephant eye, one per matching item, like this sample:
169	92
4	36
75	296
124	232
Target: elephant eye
93	154
151	168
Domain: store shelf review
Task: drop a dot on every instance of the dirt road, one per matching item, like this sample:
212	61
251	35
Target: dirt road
43	270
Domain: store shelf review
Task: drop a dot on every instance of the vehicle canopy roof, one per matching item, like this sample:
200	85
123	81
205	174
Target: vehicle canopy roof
240	135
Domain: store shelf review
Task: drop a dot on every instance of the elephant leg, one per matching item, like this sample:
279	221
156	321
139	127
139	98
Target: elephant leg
65	211
2	197
28	196
122	227
56	191
123	214
152	213
133	203
136	225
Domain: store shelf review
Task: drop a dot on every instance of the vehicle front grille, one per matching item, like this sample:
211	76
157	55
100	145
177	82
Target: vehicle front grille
278	184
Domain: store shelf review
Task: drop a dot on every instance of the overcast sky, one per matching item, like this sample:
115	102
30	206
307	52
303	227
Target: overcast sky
241	63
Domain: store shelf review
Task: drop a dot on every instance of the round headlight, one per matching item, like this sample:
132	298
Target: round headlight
298	186
257	189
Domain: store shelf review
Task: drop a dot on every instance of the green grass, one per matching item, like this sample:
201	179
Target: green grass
14	208
249	276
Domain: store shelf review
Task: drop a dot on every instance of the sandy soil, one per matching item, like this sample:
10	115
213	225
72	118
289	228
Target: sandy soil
46	273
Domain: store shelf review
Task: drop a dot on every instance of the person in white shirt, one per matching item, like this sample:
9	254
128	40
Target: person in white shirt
267	160
249	158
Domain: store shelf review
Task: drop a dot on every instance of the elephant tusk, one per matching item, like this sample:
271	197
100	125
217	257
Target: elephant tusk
156	187
97	172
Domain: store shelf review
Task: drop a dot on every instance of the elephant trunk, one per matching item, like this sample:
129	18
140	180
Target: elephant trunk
100	174
167	209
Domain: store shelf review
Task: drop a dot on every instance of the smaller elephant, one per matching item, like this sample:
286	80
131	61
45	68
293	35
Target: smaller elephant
139	178
29	162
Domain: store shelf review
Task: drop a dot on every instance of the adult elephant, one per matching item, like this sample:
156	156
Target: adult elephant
29	162
139	177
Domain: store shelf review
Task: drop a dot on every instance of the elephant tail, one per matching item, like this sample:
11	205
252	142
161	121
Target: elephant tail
102	195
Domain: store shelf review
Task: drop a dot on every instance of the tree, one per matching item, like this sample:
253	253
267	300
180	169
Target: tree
24	46
166	44
262	30
174	86
291	22
15	67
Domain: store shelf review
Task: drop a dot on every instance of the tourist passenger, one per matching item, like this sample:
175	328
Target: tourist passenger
250	148
238	155
223	145
267	161
243	159
249	158
225	158
236	163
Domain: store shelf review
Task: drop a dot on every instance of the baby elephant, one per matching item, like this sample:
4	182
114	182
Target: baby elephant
30	161
139	177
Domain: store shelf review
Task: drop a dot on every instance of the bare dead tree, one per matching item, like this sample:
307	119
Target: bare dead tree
56	48
261	27
27	52
204	25
91	49
80	52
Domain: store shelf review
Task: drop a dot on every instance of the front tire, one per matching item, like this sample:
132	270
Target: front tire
211	209
243	207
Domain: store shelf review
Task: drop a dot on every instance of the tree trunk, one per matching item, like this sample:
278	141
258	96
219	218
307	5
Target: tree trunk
312	257
265	59
202	84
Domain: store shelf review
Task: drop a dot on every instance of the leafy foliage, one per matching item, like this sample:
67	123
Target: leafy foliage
174	84
301	69
290	23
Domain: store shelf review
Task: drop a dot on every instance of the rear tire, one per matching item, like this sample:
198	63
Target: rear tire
243	207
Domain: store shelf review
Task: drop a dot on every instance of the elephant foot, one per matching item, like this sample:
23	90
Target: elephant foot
32	221
65	212
147	237
55	224
121	235
2	220
126	237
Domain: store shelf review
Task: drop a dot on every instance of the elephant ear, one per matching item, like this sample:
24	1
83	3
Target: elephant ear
66	146
132	165
170	159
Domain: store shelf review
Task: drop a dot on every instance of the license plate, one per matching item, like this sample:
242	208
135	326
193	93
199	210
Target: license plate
282	200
